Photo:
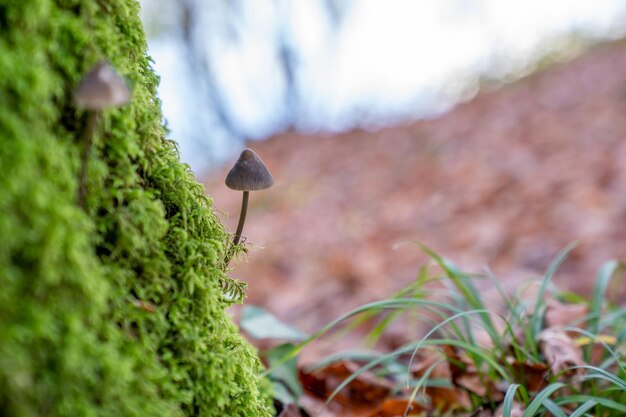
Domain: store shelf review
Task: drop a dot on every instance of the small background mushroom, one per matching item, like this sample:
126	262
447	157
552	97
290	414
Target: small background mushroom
101	88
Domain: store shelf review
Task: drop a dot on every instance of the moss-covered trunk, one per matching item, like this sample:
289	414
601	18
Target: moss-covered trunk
117	309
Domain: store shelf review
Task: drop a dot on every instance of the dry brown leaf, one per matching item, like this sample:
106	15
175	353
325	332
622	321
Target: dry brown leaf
463	374
530	375
474	384
448	399
396	407
424	360
559	314
364	391
482	338
561	352
442	398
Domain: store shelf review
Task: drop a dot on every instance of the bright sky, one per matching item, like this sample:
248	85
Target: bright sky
389	59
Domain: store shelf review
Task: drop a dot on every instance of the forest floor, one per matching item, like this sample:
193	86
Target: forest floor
504	180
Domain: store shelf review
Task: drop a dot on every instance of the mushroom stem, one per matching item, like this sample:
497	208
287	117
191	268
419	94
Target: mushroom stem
92	120
242	220
242	217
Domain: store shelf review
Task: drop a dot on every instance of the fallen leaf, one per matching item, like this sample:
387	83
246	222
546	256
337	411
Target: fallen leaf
396	407
561	352
443	398
530	375
464	374
448	399
424	360
559	314
364	391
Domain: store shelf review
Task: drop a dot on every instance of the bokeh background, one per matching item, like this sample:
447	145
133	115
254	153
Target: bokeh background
492	131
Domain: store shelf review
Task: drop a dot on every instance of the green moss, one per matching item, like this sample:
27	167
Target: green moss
74	338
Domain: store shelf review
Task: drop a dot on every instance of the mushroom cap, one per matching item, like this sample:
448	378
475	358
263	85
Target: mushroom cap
100	88
249	173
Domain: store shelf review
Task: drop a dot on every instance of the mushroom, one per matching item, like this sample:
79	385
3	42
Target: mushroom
248	174
99	89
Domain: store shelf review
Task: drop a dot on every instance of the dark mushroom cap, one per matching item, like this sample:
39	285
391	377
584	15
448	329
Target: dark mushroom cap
100	88
249	173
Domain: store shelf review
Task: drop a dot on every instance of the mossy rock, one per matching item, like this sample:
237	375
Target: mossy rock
117	309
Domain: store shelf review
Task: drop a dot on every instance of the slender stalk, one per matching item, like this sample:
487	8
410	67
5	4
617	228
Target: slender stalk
242	217
242	220
92	120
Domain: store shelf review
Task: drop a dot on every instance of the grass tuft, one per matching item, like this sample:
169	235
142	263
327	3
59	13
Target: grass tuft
485	356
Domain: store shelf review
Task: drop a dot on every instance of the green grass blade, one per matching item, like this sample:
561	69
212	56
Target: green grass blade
433	330
472	348
580	411
607	271
485	355
536	318
405	349
389	304
553	408
599	373
521	354
378	306
413	290
389	366
505	297
415	346
508	400
539	400
379	329
467	290
350	355
604	402
611	318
